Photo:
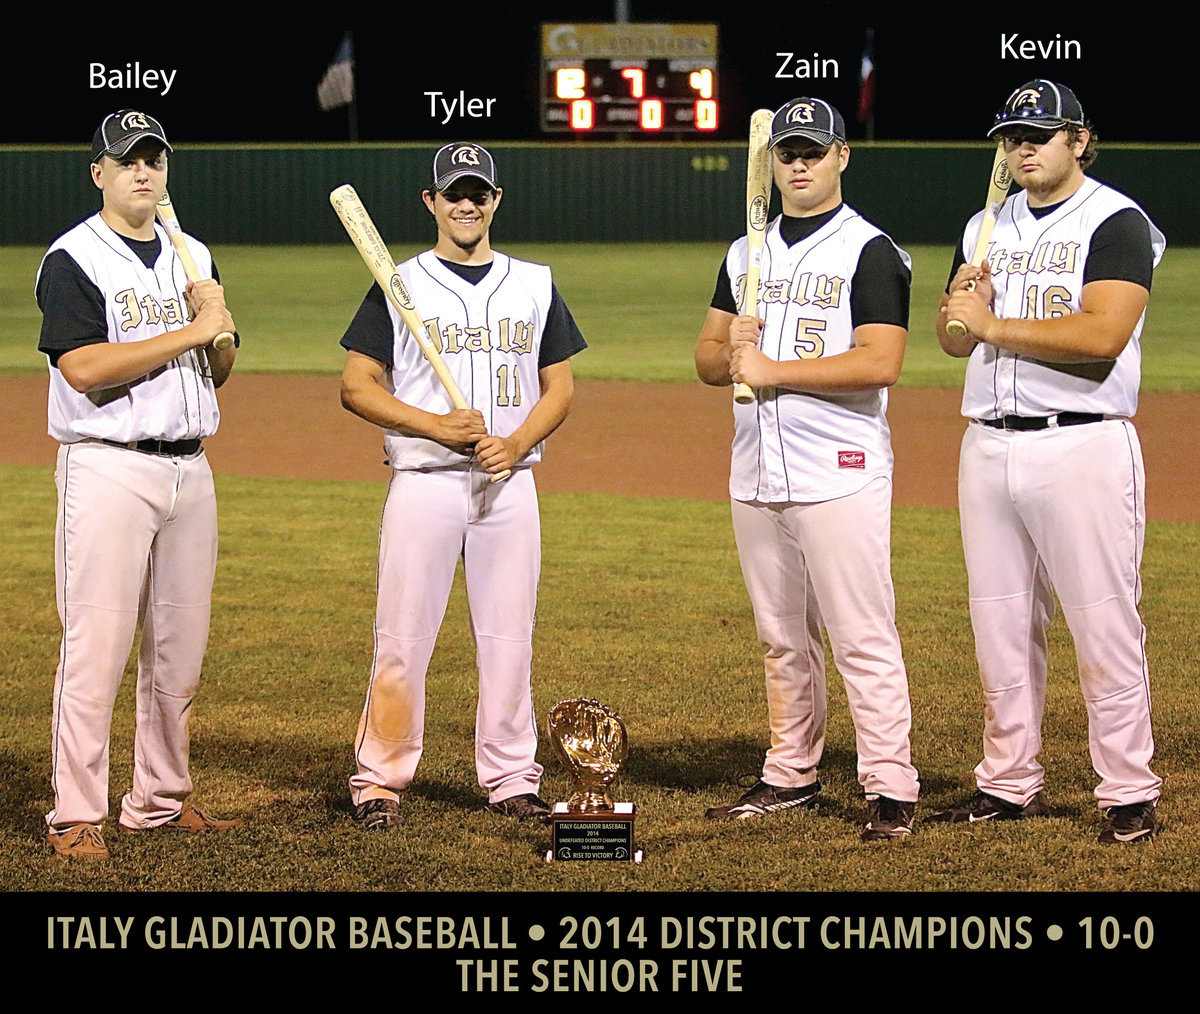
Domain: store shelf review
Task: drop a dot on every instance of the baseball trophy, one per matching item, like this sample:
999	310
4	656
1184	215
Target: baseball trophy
590	740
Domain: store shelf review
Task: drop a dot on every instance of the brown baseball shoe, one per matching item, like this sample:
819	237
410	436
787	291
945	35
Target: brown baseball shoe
889	820
190	821
526	806
82	841
1129	824
378	814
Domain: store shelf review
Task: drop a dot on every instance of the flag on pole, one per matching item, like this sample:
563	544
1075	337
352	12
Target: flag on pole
866	79
337	86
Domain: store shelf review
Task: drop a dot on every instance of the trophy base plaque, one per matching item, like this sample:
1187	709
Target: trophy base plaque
605	836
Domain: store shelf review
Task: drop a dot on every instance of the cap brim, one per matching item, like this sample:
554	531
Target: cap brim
112	153
459	174
820	136
1038	122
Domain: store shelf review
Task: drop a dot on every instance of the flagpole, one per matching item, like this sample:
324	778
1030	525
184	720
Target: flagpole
337	86
352	112
866	86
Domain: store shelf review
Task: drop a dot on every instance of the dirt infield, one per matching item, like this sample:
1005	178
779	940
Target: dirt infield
635	439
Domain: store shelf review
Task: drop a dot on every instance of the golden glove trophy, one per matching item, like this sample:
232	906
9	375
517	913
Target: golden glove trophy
590	740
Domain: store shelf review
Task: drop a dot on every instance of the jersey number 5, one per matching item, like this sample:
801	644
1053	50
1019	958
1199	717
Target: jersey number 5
810	344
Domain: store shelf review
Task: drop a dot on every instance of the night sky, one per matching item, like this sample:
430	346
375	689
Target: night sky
938	77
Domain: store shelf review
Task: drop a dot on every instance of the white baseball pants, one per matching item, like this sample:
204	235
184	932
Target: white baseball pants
430	520
829	564
1058	510
135	542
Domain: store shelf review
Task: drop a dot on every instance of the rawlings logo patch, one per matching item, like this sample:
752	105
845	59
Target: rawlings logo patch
852	459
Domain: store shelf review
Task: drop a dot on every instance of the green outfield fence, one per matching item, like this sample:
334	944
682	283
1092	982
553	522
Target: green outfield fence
581	192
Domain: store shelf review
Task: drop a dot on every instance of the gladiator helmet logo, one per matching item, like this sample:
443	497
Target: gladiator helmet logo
801	113
134	120
1028	98
466	155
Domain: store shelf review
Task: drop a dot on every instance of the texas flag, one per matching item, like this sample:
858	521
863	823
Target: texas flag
866	79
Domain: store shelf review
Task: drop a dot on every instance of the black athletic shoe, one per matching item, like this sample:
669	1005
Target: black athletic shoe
526	806
1128	824
983	806
378	815
890	819
762	799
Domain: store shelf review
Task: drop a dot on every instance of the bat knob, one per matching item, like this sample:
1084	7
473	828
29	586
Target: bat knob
743	394
956	329
223	341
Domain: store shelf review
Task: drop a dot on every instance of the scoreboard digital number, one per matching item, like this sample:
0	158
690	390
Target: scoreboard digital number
641	79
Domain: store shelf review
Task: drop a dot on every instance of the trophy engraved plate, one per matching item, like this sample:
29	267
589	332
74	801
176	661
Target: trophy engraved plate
590	740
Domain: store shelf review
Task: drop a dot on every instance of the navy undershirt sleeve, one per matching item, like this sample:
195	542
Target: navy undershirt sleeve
370	332
879	292
1120	251
72	305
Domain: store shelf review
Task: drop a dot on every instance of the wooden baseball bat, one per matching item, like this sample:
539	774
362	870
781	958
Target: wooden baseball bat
758	200
170	222
996	196
350	210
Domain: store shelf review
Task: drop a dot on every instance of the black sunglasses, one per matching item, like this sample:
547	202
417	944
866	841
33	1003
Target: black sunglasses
813	154
477	197
1016	138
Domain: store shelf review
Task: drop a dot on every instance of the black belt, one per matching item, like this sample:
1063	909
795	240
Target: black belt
1025	422
175	448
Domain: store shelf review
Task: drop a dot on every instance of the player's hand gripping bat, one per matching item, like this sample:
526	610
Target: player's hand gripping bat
166	215
996	196
350	210
758	200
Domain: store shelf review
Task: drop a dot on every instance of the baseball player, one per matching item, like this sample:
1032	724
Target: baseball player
811	476
1050	474
132	397
507	337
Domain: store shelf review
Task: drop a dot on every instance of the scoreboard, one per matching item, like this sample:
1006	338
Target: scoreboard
641	79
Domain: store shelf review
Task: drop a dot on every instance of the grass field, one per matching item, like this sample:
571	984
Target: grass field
640	307
648	613
642	605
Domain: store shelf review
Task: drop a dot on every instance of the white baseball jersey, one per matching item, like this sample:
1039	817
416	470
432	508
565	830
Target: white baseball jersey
1056	513
136	536
1037	273
493	335
811	489
489	336
177	402
792	447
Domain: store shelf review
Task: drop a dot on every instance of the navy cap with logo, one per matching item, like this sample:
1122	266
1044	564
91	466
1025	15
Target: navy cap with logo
120	131
1041	104
457	160
815	119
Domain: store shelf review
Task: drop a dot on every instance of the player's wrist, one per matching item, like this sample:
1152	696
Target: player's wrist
993	332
